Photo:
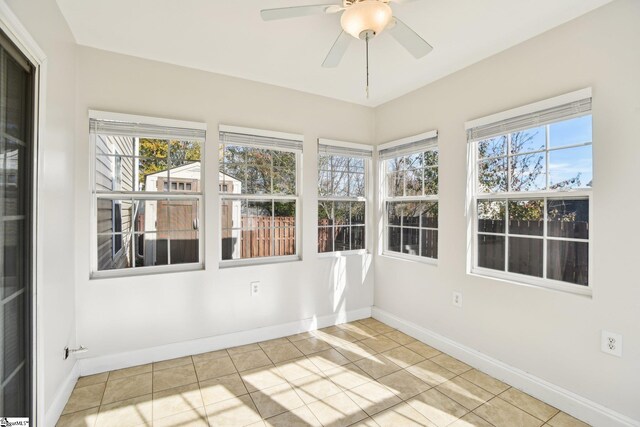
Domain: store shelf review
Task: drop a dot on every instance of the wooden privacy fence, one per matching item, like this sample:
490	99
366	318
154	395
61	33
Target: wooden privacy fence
267	236
566	260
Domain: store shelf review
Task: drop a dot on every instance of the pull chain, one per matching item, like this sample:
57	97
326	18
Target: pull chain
366	38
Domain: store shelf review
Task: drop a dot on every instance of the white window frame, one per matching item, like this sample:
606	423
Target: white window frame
119	195
366	199
297	198
562	194
385	198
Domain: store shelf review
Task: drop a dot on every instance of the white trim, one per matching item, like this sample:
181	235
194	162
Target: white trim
532	108
408	140
531	281
146	270
261	132
264	260
563	399
93	365
408	257
157	121
344	144
342	254
62	396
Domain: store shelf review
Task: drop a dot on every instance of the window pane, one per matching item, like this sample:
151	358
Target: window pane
413	182
342	212
429	246
342	239
284	241
357	237
526	217
394	213
568	261
125	145
340	163
13	177
108	258
493	147
340	183
284	180
430	214
491	216
325	239
528	172
570	168
528	140
491	252
393	238
258	214
431	158
231	243
568	218
570	132
395	165
182	152
14	257
356	165
153	174
256	242
284	213
411	214
414	161
357	212
325	213
356	185
184	247
492	175
431	181
410	241
182	215
525	256
324	183
395	184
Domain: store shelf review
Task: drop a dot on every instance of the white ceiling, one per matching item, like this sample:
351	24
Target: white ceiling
229	37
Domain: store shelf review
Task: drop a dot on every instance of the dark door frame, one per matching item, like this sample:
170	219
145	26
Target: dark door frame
13	29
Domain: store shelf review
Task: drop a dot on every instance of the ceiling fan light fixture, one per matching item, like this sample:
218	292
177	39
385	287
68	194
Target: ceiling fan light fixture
366	16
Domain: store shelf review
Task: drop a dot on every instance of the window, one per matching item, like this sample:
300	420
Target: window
258	195
141	223
410	168
342	195
531	193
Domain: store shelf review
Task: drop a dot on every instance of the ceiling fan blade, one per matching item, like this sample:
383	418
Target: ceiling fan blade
409	39
403	1
337	51
297	11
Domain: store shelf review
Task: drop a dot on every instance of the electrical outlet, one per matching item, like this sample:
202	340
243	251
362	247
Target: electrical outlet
611	343
457	299
255	288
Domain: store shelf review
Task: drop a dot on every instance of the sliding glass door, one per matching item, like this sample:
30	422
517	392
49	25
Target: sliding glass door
16	201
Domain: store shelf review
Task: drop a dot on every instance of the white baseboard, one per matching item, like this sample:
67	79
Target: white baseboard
110	362
565	400
61	398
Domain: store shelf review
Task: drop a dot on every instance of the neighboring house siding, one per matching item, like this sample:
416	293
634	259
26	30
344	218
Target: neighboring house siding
106	148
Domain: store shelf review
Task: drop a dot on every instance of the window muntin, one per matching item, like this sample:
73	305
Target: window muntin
259	200
141	221
411	201
532	196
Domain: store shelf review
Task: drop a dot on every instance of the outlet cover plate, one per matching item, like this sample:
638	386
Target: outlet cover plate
255	288
456	299
611	343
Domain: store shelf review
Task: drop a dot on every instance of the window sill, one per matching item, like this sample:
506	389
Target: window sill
145	271
258	261
414	258
341	254
532	282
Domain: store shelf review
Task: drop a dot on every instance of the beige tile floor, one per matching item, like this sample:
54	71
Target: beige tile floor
363	373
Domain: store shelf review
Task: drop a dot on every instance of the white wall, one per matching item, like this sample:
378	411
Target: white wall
549	334
56	265
126	314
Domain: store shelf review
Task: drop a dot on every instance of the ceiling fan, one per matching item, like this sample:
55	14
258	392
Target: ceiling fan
362	19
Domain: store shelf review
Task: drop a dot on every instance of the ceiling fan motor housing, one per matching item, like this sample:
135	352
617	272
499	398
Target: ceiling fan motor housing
365	18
